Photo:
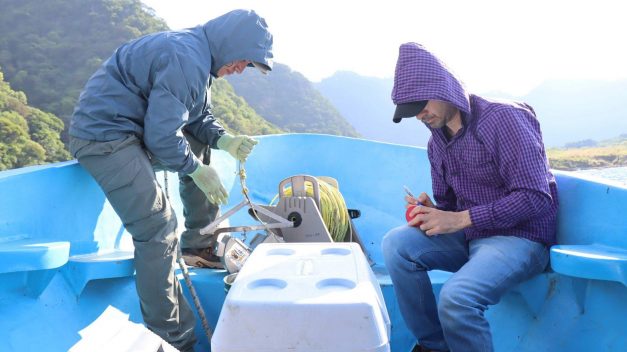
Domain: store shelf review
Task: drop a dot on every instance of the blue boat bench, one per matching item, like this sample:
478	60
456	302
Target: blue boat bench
55	219
40	260
37	258
594	245
84	268
591	261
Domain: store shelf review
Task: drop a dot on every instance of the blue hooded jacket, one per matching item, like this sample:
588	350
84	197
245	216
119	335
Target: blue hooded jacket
158	85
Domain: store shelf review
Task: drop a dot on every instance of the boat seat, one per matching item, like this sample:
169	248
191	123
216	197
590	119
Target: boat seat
36	257
591	261
83	268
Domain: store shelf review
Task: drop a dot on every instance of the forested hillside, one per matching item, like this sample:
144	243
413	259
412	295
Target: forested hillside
234	112
287	99
48	49
28	136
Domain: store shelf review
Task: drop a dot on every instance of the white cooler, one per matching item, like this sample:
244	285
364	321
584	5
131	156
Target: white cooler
304	297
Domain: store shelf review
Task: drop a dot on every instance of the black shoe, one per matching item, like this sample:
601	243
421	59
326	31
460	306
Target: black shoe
201	258
418	348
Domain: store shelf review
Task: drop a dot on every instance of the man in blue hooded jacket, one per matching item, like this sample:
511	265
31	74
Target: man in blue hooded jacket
149	106
495	208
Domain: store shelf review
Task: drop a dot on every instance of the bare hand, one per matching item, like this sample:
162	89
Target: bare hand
436	222
423	199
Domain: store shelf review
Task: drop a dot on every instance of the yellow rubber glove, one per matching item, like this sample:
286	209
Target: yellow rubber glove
207	179
238	146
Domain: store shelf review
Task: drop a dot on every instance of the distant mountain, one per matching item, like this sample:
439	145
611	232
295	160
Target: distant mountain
288	100
365	102
568	110
606	153
574	110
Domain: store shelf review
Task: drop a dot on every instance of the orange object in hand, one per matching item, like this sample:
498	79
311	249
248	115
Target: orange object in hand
409	217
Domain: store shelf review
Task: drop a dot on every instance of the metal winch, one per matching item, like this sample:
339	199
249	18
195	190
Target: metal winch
295	218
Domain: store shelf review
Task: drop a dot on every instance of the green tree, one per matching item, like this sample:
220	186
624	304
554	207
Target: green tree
235	114
49	49
28	136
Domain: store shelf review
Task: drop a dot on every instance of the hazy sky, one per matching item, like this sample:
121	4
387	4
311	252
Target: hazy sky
492	45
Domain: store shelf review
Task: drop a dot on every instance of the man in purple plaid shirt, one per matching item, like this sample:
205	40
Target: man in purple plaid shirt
495	206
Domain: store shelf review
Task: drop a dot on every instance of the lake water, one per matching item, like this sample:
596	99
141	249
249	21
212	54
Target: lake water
618	174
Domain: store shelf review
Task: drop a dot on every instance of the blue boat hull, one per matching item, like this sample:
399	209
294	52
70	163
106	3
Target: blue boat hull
65	257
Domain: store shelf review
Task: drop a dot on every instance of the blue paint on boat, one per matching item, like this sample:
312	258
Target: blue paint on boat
65	257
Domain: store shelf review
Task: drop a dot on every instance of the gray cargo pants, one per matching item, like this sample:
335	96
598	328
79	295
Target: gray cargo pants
124	171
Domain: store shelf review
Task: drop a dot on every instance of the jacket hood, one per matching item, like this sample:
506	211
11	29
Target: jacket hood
238	35
419	75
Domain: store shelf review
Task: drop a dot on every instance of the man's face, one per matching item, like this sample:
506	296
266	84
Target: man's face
233	67
437	114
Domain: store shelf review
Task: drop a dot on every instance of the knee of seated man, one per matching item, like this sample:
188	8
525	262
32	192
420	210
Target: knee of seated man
401	237
448	306
388	243
394	240
453	297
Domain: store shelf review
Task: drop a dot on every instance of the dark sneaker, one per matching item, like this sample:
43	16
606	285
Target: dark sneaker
418	348
201	258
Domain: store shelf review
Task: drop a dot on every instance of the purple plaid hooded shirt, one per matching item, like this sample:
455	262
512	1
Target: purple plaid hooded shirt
495	166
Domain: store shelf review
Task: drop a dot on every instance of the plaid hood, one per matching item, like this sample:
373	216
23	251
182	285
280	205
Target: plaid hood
419	75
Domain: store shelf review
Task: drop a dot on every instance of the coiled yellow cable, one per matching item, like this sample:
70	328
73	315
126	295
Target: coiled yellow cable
332	208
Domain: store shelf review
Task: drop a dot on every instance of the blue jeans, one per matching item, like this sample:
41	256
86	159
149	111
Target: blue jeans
484	269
